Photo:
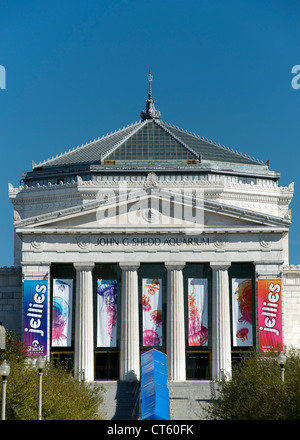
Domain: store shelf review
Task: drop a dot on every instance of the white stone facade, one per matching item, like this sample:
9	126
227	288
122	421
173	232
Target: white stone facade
138	220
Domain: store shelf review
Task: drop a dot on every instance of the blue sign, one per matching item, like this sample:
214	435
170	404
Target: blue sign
35	316
154	386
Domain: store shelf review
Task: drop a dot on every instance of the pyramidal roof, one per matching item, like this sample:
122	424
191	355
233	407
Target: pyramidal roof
149	141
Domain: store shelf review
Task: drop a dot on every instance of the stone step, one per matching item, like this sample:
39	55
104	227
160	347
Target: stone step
187	400
120	400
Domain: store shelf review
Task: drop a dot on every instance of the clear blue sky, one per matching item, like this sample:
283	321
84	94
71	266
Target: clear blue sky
76	70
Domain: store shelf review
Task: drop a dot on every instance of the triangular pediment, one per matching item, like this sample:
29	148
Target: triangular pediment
153	209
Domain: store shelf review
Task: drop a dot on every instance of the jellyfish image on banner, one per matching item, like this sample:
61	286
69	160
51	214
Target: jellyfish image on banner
242	312
152	312
107	313
62	313
197	309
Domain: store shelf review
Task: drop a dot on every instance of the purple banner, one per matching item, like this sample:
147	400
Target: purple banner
35	316
107	313
62	313
152	312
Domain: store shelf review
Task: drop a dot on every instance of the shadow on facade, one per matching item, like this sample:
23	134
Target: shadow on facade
128	399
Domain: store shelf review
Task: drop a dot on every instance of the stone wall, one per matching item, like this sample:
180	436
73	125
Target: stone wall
11	298
291	306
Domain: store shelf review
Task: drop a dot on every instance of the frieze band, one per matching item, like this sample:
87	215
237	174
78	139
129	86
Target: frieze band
152	241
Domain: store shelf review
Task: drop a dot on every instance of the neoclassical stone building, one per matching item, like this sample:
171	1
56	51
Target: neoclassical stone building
151	237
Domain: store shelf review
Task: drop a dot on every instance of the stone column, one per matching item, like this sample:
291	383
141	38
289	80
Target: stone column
130	345
84	326
221	336
175	322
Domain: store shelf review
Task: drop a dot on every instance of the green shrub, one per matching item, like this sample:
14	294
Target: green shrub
255	391
64	398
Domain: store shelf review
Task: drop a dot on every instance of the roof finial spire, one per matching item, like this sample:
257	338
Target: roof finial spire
150	78
150	112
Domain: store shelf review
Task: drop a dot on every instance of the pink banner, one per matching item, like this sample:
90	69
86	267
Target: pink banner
242	334
269	315
152	312
198	317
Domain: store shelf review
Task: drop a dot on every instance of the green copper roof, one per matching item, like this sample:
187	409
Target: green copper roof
210	151
148	141
151	143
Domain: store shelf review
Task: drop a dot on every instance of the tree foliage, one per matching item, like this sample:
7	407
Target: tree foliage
64	398
255	391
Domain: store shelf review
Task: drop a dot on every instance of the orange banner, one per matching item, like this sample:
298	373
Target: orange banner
269	315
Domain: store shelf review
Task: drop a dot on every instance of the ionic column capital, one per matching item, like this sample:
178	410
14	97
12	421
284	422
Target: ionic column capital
129	265
175	265
84	266
220	265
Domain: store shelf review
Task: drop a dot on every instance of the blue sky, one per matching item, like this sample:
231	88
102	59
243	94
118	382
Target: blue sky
76	70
